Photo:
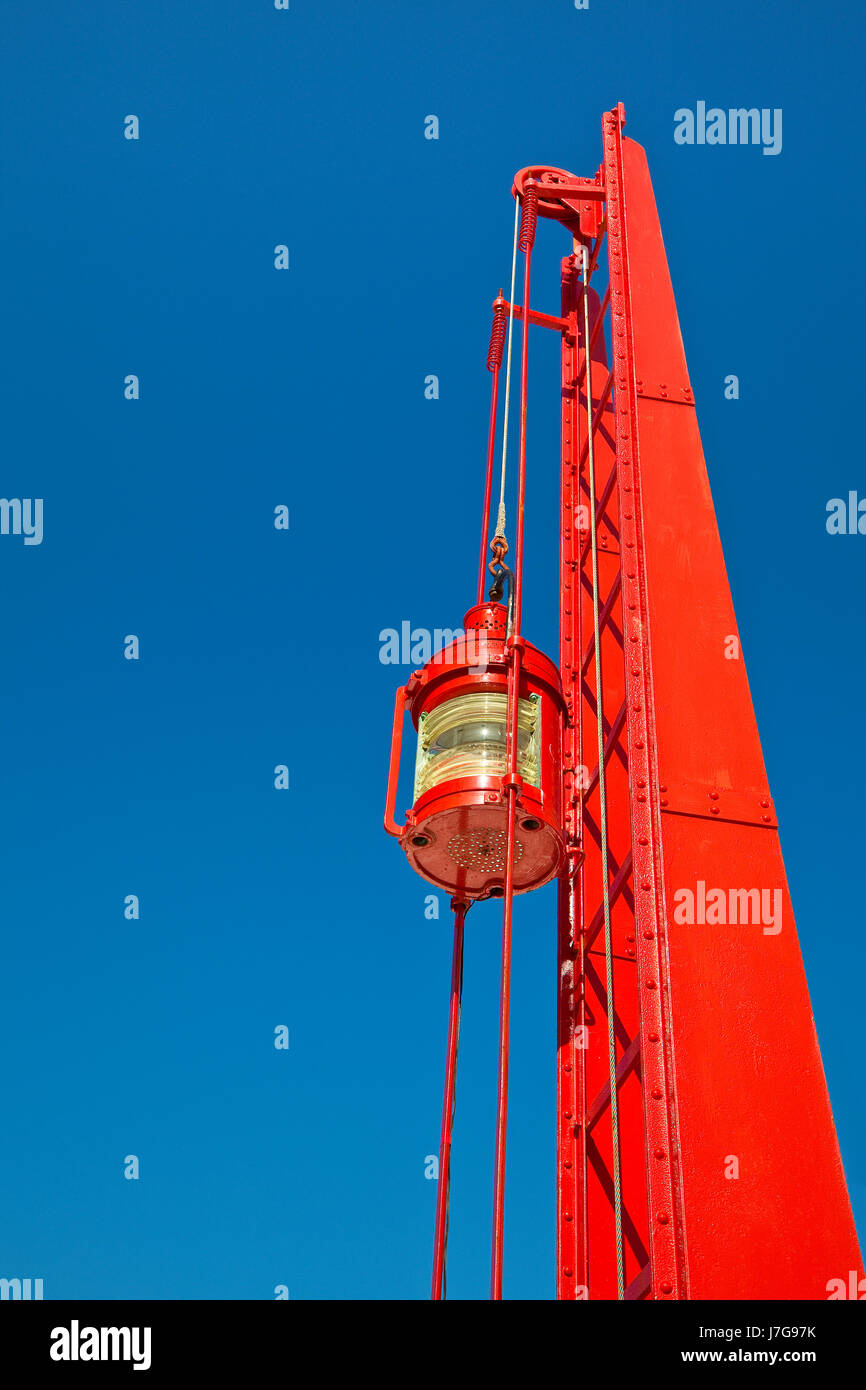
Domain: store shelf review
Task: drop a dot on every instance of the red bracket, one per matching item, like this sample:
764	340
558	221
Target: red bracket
746	806
394	761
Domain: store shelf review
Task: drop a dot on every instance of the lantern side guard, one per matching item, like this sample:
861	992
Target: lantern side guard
394	764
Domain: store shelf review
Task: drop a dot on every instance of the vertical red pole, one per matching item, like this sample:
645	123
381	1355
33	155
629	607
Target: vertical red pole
512	781
502	1094
494	362
667	1265
443	1190
571	1256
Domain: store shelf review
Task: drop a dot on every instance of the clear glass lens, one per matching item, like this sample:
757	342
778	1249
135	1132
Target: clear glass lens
477	734
466	737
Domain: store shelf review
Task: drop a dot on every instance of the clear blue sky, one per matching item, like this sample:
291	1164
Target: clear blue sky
306	387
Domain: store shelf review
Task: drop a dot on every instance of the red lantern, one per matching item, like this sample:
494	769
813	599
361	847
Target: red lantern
455	833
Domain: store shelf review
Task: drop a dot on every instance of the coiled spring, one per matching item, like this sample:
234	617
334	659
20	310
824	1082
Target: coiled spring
529	218
497	335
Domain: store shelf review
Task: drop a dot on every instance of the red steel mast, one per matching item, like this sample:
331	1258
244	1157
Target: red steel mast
696	1152
732	1184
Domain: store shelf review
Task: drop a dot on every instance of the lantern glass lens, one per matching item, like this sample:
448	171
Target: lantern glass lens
466	737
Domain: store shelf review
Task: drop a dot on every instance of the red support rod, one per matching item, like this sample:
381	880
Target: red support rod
443	1190
504	1022
571	1253
512	780
527	238
494	362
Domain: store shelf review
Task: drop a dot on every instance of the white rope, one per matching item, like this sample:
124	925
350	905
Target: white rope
500	518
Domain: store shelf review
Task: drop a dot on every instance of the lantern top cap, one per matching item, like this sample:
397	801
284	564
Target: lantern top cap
492	617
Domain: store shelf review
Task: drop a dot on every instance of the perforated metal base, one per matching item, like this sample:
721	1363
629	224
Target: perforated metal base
462	850
482	849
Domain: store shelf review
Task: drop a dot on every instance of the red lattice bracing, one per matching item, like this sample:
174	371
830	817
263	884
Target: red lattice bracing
731	1180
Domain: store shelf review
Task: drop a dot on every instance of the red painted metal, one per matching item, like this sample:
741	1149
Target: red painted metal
708	1017
732	1004
494	362
443	1190
391	825
498	1243
513	783
572	1251
731	1179
464	808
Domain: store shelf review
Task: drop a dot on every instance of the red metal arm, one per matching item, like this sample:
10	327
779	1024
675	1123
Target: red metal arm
394	764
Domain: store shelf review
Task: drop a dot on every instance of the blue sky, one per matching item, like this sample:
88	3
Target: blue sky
305	388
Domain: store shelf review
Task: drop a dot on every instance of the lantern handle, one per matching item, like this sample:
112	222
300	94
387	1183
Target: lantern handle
394	763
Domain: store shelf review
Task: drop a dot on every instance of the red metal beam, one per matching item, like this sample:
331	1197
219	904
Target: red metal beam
709	1017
